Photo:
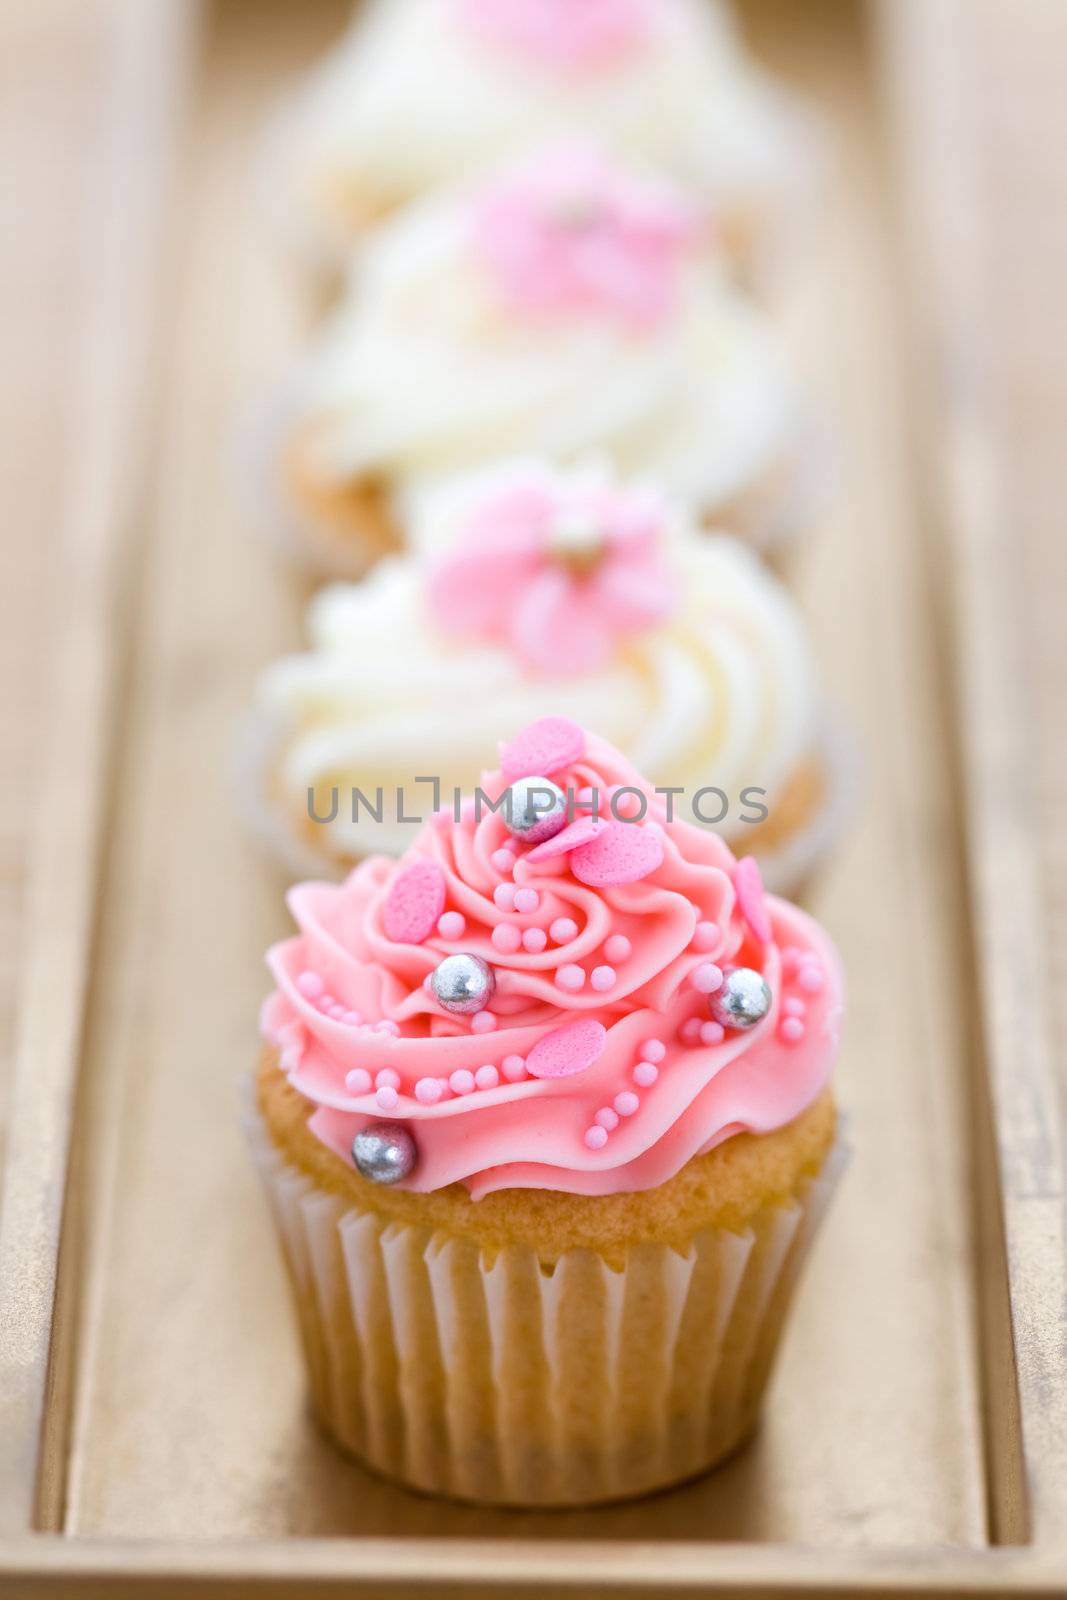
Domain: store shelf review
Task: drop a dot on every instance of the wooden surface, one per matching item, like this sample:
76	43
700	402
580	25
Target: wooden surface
889	1427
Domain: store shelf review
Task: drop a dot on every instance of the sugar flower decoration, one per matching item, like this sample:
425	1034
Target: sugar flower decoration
565	35
571	233
559	572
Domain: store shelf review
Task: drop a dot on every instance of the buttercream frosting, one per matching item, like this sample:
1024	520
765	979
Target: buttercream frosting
421	92
596	1065
681	648
441	358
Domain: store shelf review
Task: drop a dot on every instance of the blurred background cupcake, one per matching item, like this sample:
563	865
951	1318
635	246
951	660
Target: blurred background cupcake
532	590
564	305
420	93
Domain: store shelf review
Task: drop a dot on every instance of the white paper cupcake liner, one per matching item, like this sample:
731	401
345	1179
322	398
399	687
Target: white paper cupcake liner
503	1383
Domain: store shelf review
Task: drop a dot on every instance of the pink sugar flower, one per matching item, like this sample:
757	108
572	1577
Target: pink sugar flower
572	233
567	35
558	574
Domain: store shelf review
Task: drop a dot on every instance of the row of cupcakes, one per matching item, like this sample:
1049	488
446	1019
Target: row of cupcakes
543	1106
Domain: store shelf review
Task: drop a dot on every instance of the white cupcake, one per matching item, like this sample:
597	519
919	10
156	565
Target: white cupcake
420	93
532	591
562	307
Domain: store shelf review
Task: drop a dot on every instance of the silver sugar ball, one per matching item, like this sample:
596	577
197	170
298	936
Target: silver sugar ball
534	809
385	1152
741	1000
463	983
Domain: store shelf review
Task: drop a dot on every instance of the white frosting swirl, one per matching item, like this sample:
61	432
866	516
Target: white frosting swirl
411	99
423	373
724	693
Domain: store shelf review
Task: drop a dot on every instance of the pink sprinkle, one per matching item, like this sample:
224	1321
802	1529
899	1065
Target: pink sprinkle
504	896
542	748
387	1079
622	852
310	985
570	977
387	1098
603	978
563	930
336	1010
618	949
487	1077
513	1068
607	1118
595	1137
791	1030
506	937
810	978
461	1082
527	900
387	1025
358	1081
503	860
483	1022
705	935
794	1007
707	978
645	1074
325	1001
534	940
712	1033
626	1103
428	1091
566	1050
748	886
653	1050
415	900
452	925
690	1030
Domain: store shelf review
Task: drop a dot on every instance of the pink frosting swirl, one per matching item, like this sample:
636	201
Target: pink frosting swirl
597	1066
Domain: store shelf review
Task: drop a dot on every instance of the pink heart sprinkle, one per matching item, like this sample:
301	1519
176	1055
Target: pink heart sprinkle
567	1050
748	886
578	832
546	746
415	901
622	852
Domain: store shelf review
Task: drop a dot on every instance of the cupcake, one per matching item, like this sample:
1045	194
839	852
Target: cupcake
564	306
419	92
532	590
544	1120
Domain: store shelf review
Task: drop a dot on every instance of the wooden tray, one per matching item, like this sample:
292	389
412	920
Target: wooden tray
153	1434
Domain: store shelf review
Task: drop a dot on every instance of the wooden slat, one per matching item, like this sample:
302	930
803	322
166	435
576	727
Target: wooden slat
111	379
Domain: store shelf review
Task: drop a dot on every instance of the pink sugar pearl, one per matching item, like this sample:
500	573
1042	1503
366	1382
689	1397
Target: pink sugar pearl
618	949
504	897
690	1030
387	1079
705	936
810	978
387	1098
513	1068
563	930
570	977
503	860
794	1007
712	1033
603	978
387	1025
626	1103
527	900
506	937
653	1050
352	1019
534	940
645	1074
595	1137
607	1118
486	1077
626	805
358	1081
707	978
461	1082
310	985
791	1030
483	1022
452	925
428	1091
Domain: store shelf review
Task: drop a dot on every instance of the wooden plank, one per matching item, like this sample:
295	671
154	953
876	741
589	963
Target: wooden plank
86	652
